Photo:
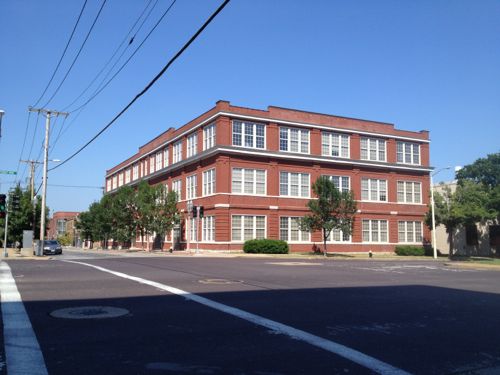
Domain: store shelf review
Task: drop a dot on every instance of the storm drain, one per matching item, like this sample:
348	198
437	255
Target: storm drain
89	312
219	281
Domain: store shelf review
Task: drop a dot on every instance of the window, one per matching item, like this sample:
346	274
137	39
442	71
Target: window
127	176
333	144
191	187
177	156
294	184
409	231
192	145
290	230
471	235
193	229
114	182
209	136
108	184
159	160
372	149
61	227
152	164
373	190
342	183
249	181
294	140
408	153
208	228
374	230
248	227
209	182
165	157
248	134
409	192
177	187
120	179
336	235
135	172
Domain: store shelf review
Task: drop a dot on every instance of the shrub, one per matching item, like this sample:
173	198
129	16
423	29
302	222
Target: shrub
405	250
265	246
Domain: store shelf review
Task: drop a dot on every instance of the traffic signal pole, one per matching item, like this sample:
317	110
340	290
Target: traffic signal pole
5	253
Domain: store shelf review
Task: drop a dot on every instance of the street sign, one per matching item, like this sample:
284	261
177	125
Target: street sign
8	172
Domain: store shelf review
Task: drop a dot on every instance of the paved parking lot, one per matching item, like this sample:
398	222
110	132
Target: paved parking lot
260	315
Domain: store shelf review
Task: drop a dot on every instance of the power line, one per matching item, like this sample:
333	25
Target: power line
24	143
78	186
63	54
148	86
101	87
116	50
77	55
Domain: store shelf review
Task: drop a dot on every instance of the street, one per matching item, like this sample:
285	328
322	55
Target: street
268	315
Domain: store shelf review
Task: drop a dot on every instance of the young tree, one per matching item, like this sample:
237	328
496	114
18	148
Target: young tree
124	213
332	209
164	214
145	202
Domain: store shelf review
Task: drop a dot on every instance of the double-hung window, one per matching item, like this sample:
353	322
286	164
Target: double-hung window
209	182
108	185
336	235
374	230
193	229
373	189
192	145
335	144
120	179
408	153
191	187
127	176
135	172
409	192
373	149
159	160
245	227
342	183
152	164
208	228
165	157
177	187
248	181
290	230
294	140
177	154
249	134
410	231
209	136
294	184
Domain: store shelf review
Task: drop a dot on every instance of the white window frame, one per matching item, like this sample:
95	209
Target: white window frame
165	157
300	181
405	188
135	172
300	233
209	180
177	152
337	233
372	229
115	182
371	189
191	186
120	179
242	228
127	176
152	164
374	149
193	229
328	140
177	187
338	182
409	230
243	136
247	174
108	184
208	228
407	153
285	138
159	160
209	134
192	145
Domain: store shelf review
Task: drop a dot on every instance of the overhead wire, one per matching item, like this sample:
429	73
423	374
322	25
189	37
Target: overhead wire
77	55
117	49
24	143
31	147
149	85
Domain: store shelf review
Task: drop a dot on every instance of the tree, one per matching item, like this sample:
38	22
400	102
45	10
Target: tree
164	214
124	214
331	210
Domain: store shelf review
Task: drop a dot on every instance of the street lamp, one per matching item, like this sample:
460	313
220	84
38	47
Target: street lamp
432	212
2	112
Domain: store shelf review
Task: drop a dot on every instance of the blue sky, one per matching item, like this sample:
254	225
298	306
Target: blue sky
431	65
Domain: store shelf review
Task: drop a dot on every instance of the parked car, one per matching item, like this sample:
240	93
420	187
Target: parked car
52	247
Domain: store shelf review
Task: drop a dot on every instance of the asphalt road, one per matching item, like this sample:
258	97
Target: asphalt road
258	316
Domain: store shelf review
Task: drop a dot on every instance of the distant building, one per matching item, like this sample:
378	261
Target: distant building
61	224
252	171
482	239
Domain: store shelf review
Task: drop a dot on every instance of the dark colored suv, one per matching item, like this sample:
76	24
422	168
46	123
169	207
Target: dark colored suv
51	247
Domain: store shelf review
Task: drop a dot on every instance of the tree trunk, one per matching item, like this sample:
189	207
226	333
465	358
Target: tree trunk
450	241
324	243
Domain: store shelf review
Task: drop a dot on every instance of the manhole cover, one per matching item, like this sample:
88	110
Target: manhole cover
89	312
219	281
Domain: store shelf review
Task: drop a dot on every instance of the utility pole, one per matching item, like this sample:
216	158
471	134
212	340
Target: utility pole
48	115
32	164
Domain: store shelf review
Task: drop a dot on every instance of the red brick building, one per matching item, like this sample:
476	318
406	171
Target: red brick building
252	171
62	223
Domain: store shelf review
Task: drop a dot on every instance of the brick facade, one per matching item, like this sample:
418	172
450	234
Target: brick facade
254	150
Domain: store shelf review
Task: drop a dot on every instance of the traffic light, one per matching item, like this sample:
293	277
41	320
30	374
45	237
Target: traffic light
195	211
15	201
201	212
3	205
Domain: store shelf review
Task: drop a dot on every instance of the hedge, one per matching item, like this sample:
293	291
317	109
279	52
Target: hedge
410	250
266	246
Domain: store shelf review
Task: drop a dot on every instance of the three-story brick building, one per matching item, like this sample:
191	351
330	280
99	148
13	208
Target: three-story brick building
252	172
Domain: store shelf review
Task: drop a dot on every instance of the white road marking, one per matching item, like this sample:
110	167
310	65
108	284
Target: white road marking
353	355
22	350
